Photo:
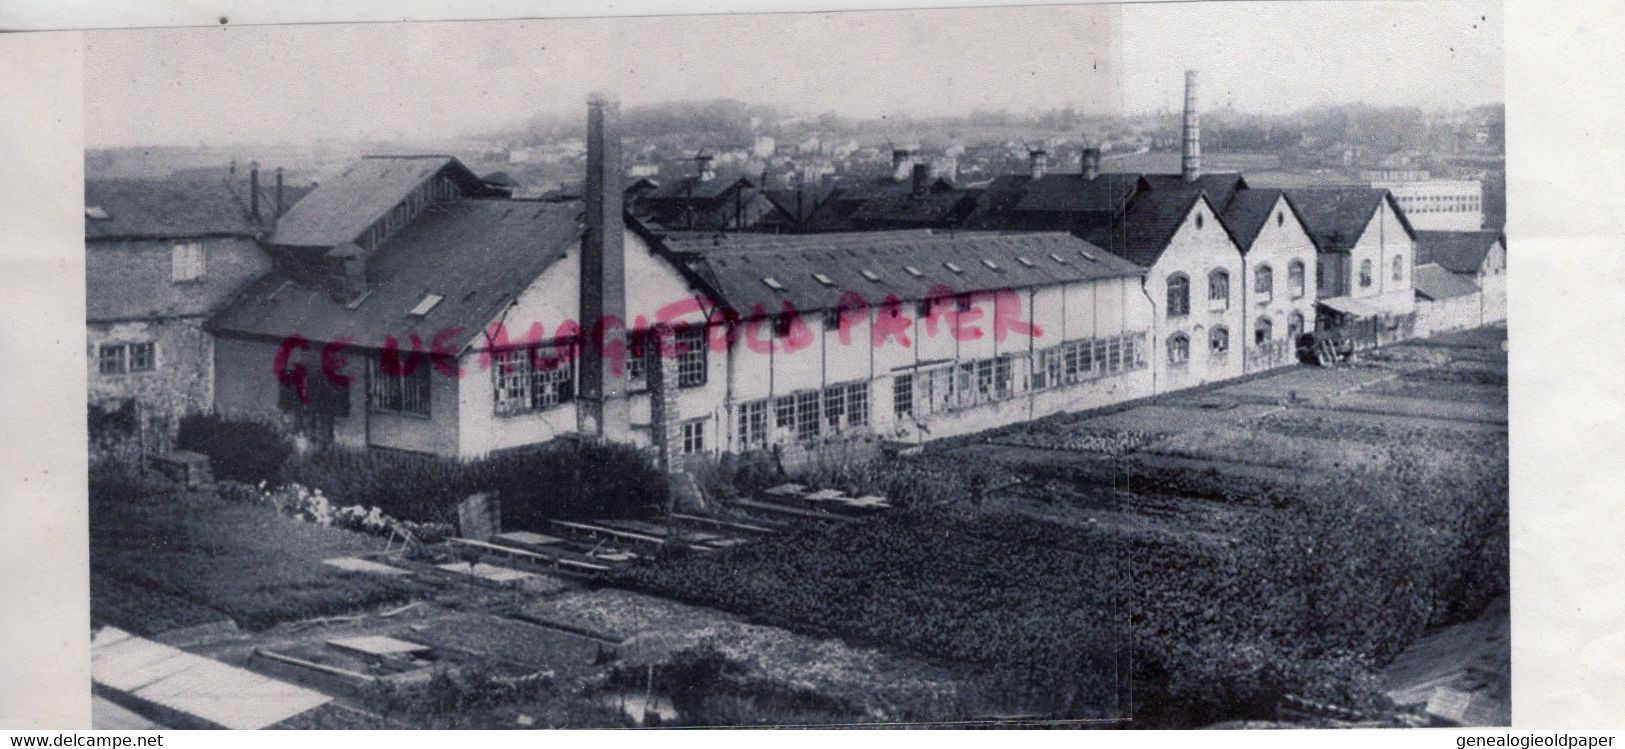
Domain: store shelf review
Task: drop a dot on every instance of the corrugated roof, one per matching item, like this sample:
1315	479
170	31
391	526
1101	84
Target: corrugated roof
1336	217
1455	251
738	266
343	207
167	208
1434	282
477	254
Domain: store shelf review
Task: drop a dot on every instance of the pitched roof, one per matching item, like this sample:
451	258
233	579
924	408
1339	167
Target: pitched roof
1435	283
1455	251
1014	201
737	266
1219	186
166	208
476	254
1153	218
691	187
1250	209
343	207
1336	217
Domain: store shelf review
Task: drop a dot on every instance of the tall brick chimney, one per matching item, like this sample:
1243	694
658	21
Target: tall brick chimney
1190	162
902	162
280	207
603	409
1091	163
1038	160
254	190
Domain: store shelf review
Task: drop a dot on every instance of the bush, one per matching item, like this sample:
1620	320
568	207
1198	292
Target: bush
246	451
560	480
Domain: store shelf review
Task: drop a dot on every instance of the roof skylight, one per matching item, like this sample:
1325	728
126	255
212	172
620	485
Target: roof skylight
96	213
773	283
1087	255
823	279
913	271
950	265
1056	256
990	264
1024	260
426	306
869	274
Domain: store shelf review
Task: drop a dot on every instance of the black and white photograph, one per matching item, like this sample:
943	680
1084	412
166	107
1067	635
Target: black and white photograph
1112	366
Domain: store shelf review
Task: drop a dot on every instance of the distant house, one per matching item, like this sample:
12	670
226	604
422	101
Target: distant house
161	255
1365	252
1477	257
911	197
706	201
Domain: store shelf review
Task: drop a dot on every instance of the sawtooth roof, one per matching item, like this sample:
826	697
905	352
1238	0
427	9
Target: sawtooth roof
343	207
737	266
476	253
1455	251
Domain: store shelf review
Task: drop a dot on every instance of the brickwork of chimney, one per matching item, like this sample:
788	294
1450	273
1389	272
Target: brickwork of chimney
665	416
603	409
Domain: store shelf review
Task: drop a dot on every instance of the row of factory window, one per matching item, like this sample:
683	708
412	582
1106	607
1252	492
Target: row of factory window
965	384
806	414
1441	203
1218	288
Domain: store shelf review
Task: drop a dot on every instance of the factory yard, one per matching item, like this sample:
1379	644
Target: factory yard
1212	535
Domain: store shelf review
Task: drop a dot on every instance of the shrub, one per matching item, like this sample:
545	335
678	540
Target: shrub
246	451
559	480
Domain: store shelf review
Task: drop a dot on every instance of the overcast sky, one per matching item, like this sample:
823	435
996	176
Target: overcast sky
421	81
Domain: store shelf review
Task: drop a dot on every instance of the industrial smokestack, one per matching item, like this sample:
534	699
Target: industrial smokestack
1190	164
604	411
280	206
1038	161
703	168
1091	163
254	190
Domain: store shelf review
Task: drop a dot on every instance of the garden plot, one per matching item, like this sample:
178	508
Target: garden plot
1306	383
245	561
1160	417
517	646
1466	392
1386	429
888	686
1376	403
1252	447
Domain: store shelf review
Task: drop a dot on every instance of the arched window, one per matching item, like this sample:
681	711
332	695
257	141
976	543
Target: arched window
1264	283
1399	268
1179	295
1263	330
1179	349
1294	278
1218	342
1294	326
1365	273
1218	290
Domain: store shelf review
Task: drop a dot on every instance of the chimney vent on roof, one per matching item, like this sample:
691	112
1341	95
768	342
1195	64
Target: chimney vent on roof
902	160
1038	159
1091	163
922	180
703	167
1191	155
